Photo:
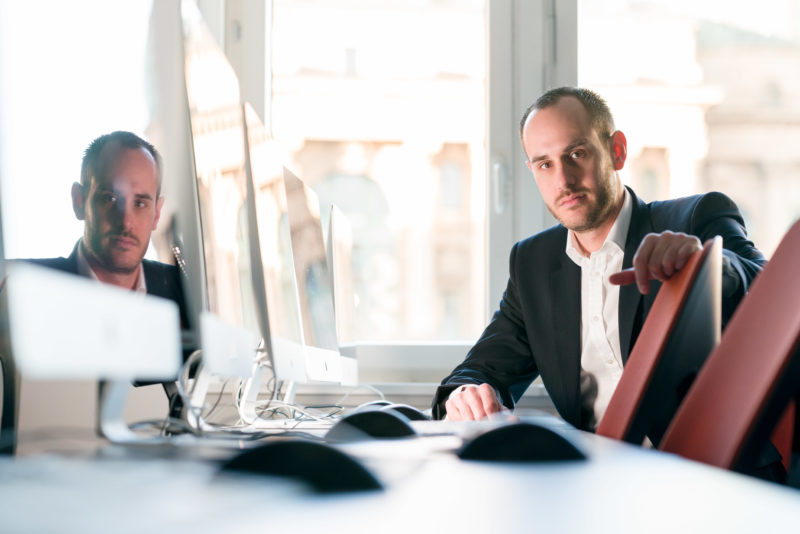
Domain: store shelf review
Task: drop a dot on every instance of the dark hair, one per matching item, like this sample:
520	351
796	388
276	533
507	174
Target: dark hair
599	114
126	140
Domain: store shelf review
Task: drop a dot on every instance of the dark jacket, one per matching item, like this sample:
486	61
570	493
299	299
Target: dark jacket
161	279
536	330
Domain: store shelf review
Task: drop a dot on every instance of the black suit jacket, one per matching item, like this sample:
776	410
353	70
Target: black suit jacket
536	330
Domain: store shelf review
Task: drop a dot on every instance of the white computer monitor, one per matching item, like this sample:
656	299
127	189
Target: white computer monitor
198	126
230	336
65	327
283	331
314	283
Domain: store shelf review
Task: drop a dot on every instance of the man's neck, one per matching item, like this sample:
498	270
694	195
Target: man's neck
123	280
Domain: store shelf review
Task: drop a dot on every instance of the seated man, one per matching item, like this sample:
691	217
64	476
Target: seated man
563	317
119	199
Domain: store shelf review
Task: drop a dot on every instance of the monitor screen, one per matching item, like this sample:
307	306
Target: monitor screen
177	238
275	265
315	288
229	337
340	259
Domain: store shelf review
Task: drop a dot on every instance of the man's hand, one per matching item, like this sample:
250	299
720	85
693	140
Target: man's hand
471	402
658	258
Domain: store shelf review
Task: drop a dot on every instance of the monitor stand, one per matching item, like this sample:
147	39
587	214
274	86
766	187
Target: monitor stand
197	399
247	408
111	416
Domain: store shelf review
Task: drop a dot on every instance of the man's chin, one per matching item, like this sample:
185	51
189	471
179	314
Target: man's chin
119	265
573	221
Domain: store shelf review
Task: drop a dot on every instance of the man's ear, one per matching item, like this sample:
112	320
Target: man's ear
619	149
78	201
159	204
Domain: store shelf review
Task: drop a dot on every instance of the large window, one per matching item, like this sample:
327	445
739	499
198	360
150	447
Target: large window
70	71
402	112
382	106
709	97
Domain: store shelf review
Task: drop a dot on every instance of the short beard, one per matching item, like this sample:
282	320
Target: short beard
104	261
603	209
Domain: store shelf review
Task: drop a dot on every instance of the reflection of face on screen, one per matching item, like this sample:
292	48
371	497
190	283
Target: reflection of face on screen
313	278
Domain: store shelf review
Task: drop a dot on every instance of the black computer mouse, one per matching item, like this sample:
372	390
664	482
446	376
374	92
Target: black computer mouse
325	468
370	424
409	411
520	442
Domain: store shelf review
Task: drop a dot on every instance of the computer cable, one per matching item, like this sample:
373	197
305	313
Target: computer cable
361	386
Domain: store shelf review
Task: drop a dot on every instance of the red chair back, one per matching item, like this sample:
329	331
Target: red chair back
749	379
679	333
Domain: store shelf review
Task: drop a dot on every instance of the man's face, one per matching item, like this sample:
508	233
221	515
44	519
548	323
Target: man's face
572	166
120	208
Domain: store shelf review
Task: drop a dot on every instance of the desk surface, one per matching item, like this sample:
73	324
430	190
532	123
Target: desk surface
620	488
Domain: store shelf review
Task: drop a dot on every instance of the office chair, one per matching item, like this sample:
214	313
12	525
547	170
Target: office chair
679	333
752	375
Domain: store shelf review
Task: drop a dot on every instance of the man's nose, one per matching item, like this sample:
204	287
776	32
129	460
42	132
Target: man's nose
567	175
123	214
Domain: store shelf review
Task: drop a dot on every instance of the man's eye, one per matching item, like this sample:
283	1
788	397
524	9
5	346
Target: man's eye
108	199
545	165
141	204
577	154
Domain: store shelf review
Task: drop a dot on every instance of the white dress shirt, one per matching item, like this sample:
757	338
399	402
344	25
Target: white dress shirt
601	358
84	269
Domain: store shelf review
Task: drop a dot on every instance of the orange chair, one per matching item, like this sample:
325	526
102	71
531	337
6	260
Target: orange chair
681	329
750	378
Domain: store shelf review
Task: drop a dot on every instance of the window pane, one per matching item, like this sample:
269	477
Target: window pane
381	106
69	72
709	97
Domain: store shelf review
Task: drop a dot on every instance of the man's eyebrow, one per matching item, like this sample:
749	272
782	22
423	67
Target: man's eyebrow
145	196
575	144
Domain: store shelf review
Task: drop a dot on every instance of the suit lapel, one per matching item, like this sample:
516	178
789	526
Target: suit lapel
565	285
629	296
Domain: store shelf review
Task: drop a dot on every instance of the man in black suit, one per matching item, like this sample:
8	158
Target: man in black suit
119	199
564	315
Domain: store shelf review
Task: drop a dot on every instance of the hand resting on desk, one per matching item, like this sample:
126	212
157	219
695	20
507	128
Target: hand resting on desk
471	402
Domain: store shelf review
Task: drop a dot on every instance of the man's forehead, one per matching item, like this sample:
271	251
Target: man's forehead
558	126
119	166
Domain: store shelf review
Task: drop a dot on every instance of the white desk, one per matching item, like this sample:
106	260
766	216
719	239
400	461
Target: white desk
619	489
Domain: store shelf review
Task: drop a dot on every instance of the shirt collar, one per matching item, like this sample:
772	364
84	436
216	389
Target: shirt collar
84	269
617	235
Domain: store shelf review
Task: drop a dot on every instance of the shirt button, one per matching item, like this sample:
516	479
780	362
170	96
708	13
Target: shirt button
610	362
596	318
